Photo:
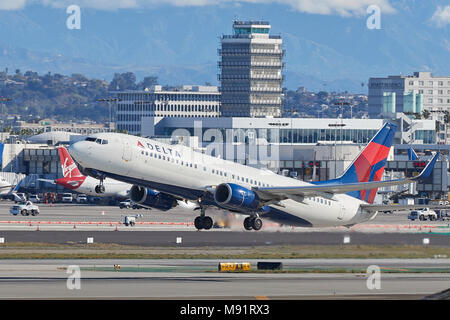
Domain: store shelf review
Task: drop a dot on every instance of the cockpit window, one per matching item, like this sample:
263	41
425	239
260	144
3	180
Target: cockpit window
101	141
97	140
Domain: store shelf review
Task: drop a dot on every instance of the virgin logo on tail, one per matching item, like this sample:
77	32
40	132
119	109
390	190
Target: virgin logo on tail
69	168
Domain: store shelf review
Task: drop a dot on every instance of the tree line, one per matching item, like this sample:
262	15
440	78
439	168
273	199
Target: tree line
32	96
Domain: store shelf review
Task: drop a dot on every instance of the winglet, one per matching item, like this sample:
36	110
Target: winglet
412	155
426	172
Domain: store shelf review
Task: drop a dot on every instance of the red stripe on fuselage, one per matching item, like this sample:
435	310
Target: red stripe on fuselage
71	183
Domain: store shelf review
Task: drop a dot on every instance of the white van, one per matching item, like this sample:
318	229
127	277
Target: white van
67	197
81	198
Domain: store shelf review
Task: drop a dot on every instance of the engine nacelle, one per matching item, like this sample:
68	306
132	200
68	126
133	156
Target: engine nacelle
149	198
234	196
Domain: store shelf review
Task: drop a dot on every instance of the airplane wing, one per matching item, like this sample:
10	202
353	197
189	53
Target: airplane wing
400	207
6	187
48	181
298	193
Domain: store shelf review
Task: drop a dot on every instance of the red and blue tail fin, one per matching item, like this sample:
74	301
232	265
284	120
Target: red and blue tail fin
370	163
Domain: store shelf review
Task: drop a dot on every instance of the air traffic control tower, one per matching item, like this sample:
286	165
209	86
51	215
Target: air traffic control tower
251	71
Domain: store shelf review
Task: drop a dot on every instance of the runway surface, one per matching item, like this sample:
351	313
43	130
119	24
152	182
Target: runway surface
198	279
223	239
65	217
72	223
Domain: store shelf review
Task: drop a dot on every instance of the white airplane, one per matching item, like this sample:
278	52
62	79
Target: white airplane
9	191
184	174
5	186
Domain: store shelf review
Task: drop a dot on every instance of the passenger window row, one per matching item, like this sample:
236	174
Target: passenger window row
214	171
320	200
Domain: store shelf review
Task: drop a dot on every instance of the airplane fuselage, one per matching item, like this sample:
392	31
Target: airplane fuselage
87	184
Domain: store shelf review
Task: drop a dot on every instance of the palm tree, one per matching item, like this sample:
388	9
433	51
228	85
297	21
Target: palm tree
446	122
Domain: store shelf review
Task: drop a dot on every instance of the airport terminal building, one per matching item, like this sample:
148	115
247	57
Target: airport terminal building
308	149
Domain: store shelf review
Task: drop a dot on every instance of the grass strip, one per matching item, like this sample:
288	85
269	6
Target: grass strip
112	251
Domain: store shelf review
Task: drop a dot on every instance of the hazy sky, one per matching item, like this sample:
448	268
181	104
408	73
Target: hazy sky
325	40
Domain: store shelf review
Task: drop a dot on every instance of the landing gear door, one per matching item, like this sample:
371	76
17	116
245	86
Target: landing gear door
127	152
342	212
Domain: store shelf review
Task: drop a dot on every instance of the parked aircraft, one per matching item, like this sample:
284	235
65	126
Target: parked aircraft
74	180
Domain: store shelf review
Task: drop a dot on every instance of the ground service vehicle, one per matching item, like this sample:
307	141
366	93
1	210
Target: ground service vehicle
128	220
67	197
25	208
82	198
125	204
423	215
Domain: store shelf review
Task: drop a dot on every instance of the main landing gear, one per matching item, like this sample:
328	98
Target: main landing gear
202	221
253	223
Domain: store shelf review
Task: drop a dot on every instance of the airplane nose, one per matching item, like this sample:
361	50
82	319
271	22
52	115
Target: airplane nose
77	151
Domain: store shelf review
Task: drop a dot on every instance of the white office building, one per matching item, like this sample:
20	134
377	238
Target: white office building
186	101
430	93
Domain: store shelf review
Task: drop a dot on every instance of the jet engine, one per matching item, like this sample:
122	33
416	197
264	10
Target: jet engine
150	198
236	197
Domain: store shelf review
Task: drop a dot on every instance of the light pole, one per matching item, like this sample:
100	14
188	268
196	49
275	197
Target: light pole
336	125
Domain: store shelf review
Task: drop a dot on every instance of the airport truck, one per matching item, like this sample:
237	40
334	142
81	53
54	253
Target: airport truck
129	221
25	208
423	214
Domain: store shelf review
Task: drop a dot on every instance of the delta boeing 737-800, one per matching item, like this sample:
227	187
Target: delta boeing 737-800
180	173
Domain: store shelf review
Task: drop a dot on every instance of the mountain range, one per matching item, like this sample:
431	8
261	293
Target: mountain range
179	44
